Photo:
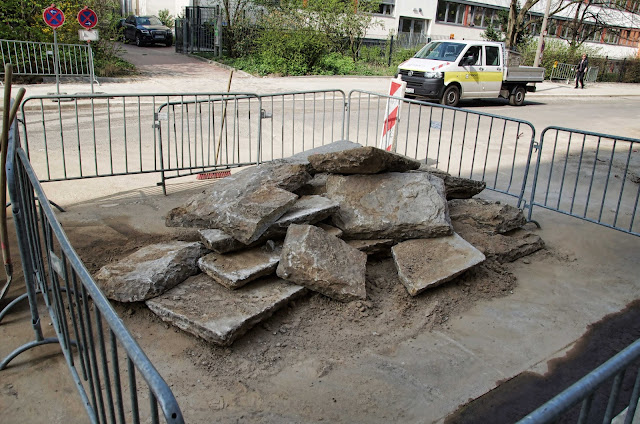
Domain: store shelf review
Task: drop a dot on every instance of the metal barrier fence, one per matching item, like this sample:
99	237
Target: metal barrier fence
102	356
464	143
567	72
87	136
589	176
34	58
607	378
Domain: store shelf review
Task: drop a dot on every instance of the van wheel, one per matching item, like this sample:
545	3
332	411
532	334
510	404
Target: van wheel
517	97
451	96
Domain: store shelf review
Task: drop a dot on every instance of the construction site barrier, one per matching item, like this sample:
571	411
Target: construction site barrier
463	143
589	176
567	72
582	174
607	378
105	361
37	58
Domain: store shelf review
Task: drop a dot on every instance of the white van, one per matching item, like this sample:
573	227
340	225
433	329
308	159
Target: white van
450	70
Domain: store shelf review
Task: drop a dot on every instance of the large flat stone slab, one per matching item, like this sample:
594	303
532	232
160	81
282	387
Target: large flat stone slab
392	205
427	263
501	247
206	309
219	241
306	210
490	217
244	204
150	271
362	160
456	187
323	263
245	218
234	270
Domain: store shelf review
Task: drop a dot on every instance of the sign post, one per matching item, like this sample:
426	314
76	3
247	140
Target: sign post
88	19
392	113
54	18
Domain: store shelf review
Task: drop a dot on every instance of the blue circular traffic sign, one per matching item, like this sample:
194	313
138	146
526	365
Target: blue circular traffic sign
87	18
53	17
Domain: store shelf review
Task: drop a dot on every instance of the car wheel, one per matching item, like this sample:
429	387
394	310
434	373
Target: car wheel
168	43
451	96
139	42
517	97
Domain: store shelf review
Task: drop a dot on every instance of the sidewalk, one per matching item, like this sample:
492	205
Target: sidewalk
241	82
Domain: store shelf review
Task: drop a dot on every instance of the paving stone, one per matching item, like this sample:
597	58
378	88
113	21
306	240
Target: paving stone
427	263
362	160
500	247
323	263
150	271
490	217
392	205
234	270
206	309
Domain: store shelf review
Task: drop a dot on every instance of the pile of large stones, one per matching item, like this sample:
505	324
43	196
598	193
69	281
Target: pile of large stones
271	232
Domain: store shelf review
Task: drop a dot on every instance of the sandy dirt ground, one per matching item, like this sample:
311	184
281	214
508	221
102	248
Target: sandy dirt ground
391	358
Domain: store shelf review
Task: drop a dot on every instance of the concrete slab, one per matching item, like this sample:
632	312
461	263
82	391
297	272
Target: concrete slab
234	270
204	308
427	263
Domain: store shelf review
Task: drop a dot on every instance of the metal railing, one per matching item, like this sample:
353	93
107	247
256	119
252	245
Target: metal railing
298	121
567	72
35	58
105	361
588	176
597	383
475	145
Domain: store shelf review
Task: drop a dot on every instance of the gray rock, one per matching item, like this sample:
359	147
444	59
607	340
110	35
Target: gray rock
323	263
234	270
427	263
245	218
150	271
306	210
219	241
501	247
241	194
381	248
456	187
336	146
204	308
490	217
317	185
362	160
393	205
330	229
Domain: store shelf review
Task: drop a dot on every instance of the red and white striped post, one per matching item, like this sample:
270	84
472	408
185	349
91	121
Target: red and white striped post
392	113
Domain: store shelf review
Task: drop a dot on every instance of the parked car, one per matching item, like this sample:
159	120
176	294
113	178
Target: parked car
147	30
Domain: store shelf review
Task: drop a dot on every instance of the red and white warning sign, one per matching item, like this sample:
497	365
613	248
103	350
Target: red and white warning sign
392	112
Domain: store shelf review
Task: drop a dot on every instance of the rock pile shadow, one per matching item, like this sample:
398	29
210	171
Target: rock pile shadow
271	233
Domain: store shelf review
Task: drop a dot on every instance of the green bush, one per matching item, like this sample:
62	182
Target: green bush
166	18
294	52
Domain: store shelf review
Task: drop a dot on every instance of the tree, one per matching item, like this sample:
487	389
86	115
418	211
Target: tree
517	25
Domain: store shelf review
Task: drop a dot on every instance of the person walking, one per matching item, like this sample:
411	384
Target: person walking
581	70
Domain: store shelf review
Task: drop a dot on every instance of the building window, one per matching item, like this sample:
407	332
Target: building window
386	7
452	13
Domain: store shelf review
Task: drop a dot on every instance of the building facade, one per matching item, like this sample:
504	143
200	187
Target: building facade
416	20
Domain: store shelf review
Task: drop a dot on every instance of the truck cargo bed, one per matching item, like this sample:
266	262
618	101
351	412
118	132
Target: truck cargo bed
524	74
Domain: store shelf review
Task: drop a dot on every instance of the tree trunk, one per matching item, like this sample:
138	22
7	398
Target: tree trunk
512	24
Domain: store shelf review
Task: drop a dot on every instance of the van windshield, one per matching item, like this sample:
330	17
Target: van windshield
440	50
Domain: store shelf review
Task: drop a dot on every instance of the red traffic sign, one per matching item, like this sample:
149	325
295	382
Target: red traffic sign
53	16
87	18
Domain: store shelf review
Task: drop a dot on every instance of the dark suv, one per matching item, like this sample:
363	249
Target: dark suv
147	30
